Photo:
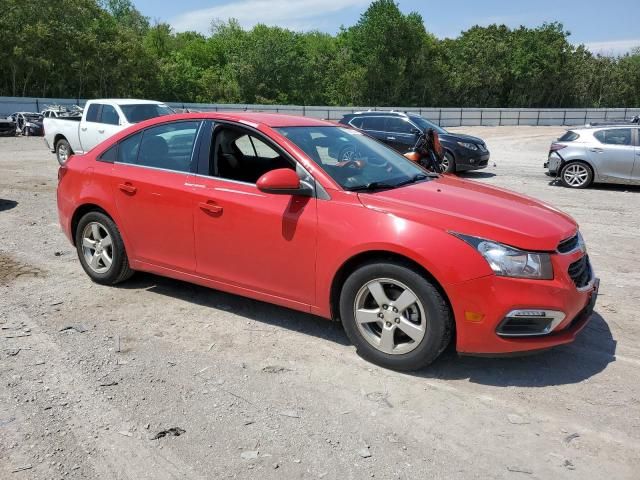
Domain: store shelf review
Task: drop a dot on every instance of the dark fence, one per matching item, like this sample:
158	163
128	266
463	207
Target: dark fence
447	117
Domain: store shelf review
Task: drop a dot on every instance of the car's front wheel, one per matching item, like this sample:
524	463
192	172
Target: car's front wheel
448	163
395	316
101	249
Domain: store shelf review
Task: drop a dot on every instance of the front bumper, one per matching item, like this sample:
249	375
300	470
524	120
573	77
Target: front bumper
491	298
467	159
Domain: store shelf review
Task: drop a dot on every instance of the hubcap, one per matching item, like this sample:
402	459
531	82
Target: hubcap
63	153
97	247
576	175
390	316
445	163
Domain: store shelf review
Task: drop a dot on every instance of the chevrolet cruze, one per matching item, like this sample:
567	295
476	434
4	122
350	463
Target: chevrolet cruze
265	206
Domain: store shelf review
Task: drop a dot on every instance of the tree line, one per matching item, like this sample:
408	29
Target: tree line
107	48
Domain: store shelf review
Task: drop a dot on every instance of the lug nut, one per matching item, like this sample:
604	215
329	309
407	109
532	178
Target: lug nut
386	307
397	320
381	315
395	310
388	324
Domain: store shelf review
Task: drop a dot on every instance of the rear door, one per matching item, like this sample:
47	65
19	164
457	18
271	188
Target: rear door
400	134
101	121
375	127
613	153
153	191
635	174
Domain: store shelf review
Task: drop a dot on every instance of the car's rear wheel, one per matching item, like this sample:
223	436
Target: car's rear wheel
576	175
448	163
63	151
395	316
101	249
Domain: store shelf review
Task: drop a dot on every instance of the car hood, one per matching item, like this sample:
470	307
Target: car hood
468	207
455	137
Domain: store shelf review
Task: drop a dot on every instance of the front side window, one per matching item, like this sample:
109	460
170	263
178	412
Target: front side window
425	125
240	155
109	115
614	136
398	125
355	161
144	111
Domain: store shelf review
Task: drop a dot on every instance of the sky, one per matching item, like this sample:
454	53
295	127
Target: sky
609	27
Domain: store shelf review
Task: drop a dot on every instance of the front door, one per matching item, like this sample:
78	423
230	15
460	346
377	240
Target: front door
244	237
615	154
153	191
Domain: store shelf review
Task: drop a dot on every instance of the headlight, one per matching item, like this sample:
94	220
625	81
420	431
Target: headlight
470	146
510	262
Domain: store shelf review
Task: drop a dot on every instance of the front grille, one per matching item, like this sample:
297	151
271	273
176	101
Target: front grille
569	244
580	272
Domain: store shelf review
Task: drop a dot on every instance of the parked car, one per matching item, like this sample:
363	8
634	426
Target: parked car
57	111
603	154
7	127
27	123
635	120
400	131
100	120
261	205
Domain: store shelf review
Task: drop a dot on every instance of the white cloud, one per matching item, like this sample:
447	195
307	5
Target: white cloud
293	14
613	47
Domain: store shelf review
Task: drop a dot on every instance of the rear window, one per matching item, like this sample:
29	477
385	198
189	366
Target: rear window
569	136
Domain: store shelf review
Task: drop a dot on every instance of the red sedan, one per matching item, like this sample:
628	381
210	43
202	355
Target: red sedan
321	218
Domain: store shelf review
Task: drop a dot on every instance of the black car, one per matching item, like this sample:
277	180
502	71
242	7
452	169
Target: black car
28	123
400	131
7	128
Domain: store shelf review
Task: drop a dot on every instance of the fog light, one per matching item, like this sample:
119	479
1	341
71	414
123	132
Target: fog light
530	322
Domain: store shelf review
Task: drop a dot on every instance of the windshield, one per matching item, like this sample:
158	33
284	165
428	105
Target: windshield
354	160
426	124
144	111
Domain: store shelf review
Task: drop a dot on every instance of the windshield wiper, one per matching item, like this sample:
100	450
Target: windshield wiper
416	178
371	186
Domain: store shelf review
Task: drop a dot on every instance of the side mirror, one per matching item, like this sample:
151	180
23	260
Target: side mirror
283	181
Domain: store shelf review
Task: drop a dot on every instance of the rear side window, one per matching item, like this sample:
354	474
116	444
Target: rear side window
110	155
569	136
169	146
356	122
373	123
128	149
109	115
614	136
93	112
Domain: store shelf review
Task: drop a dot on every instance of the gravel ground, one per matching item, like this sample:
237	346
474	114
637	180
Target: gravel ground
91	375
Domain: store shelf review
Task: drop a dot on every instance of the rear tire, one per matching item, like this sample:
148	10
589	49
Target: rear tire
101	249
63	151
394	316
576	175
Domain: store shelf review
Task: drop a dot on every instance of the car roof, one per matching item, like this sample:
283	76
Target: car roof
273	120
126	101
605	125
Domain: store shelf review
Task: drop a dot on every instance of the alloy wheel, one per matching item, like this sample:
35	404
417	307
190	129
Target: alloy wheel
63	153
390	316
576	175
97	247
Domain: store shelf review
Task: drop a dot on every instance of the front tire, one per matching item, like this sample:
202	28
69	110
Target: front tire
63	151
576	175
395	317
448	163
101	249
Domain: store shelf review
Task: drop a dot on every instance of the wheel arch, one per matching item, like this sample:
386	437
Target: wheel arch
370	256
81	211
59	137
588	163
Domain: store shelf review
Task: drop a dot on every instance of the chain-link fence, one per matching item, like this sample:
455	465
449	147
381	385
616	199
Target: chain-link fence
446	117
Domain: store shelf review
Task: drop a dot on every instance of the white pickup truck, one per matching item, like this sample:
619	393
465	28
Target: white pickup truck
101	119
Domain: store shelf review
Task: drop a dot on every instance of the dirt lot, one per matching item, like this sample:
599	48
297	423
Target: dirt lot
265	392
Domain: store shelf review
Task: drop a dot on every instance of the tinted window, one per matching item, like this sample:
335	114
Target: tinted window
569	137
110	155
398	125
139	112
357	122
128	149
352	159
92	112
109	115
373	123
615	136
168	146
425	124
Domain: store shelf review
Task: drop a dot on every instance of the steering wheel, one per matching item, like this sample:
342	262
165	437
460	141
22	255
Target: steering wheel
350	164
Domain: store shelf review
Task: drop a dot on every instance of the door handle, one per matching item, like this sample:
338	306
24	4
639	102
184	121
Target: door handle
84	129
596	150
127	188
211	207
391	138
101	131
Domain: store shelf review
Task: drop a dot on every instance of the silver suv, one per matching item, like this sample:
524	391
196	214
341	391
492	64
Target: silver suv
604	153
